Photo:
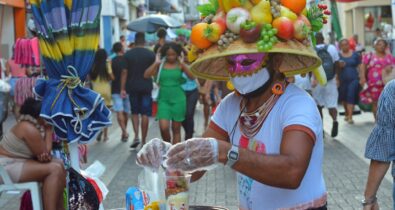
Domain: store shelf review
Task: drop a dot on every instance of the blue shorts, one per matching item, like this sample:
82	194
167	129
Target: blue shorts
141	103
120	104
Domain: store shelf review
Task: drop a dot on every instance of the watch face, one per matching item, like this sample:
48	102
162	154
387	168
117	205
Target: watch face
233	155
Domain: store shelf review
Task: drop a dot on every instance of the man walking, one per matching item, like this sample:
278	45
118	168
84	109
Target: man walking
327	95
121	104
139	89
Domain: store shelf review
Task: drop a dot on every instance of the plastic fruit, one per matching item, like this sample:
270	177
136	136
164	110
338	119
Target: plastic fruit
235	18
285	27
261	13
319	74
296	6
302	28
230	4
197	36
193	54
220	18
213	32
247	5
250	32
255	2
285	12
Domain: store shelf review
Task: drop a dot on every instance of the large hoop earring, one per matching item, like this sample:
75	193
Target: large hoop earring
278	88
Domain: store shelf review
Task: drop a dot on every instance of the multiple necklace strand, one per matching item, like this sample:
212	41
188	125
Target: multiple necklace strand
251	122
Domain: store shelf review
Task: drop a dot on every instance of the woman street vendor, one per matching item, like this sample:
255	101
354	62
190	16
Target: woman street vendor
269	131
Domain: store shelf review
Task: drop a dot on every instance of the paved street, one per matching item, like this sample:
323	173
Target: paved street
345	170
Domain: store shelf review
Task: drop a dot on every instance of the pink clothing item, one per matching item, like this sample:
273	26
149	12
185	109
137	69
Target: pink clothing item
16	69
24	89
36	51
26	52
374	67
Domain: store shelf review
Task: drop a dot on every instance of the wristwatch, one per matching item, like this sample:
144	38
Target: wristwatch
233	156
369	201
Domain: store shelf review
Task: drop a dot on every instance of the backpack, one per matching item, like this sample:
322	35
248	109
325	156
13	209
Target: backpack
327	62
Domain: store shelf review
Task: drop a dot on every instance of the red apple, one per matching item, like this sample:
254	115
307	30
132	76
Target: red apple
302	28
220	18
285	27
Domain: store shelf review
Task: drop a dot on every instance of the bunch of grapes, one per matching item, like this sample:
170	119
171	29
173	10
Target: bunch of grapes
275	8
268	38
226	39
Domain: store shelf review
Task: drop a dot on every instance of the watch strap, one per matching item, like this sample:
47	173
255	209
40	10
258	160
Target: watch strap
233	156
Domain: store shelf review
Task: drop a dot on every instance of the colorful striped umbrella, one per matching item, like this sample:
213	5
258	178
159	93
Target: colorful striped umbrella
68	31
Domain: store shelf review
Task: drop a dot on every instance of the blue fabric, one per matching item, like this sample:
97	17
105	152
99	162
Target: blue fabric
69	36
190	84
120	104
141	103
349	80
381	143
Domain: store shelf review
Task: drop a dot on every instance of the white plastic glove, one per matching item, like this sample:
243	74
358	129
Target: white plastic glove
193	155
152	153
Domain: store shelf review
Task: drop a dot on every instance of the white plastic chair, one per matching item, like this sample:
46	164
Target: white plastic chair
34	188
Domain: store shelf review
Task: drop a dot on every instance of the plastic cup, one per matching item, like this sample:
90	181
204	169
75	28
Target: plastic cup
177	192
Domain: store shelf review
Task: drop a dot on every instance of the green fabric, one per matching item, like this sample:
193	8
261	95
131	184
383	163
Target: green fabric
335	21
171	100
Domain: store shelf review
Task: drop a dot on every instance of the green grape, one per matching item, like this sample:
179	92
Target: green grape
263	33
270	45
260	48
266	47
270	33
273	39
261	43
266	38
268	26
274	30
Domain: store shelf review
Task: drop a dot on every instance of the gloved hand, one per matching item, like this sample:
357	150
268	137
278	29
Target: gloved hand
193	155
152	153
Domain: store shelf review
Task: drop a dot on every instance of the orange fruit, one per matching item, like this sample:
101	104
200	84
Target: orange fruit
296	6
197	36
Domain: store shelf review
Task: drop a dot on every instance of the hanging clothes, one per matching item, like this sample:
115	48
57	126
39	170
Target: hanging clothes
26	52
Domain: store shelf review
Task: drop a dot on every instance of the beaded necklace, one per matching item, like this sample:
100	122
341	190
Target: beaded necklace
30	119
251	122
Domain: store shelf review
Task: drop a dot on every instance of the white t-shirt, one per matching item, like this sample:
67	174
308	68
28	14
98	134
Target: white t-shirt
295	108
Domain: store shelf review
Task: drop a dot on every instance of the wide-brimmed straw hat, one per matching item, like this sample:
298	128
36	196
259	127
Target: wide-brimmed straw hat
297	59
298	56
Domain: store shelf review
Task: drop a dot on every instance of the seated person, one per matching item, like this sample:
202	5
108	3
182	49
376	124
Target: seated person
25	153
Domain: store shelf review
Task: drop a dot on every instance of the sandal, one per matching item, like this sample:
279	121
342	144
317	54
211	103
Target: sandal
124	138
135	144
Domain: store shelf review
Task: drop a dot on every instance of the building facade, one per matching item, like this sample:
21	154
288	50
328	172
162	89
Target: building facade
364	18
12	25
114	18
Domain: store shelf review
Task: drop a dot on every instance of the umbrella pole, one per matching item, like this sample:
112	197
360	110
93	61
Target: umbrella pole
74	156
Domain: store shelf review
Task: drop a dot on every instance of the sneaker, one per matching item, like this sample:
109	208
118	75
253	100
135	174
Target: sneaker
135	143
335	128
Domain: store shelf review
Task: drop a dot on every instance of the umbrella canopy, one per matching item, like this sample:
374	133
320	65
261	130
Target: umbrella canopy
151	23
68	34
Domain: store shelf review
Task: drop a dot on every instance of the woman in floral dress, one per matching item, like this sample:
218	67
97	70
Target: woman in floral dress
373	64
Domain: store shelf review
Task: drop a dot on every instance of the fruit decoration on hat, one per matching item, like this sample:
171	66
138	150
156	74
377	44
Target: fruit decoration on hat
261	21
269	26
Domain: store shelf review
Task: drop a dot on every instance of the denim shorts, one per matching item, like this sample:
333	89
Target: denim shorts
120	104
141	103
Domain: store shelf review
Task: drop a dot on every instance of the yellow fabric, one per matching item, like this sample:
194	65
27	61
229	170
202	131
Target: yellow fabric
61	48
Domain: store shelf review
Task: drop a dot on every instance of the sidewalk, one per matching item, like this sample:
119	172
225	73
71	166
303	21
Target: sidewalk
345	169
345	173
